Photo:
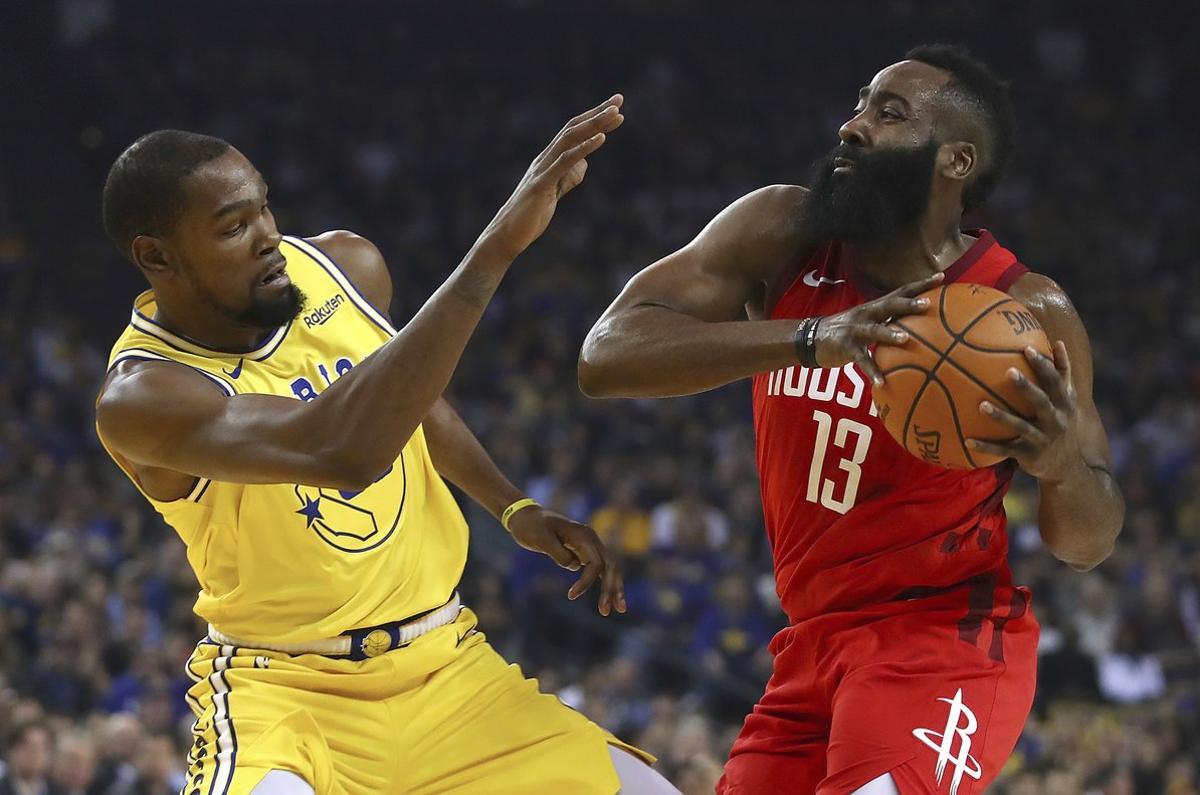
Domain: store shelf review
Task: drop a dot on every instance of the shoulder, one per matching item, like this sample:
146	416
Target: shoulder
758	232
362	263
1044	297
138	396
774	210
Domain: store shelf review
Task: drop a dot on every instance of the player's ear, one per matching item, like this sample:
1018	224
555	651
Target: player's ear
149	255
957	159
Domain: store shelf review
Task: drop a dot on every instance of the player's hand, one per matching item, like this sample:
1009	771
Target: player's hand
847	336
573	546
1047	445
552	175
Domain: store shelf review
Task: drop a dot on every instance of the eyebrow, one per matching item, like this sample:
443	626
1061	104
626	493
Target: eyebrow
226	209
233	206
884	95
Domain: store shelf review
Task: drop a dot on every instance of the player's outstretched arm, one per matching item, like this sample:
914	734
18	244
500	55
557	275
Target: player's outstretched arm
676	329
158	416
1064	445
460	458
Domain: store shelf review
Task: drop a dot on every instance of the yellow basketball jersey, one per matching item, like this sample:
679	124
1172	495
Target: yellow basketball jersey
289	562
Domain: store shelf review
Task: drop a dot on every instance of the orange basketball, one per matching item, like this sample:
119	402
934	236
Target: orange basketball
958	354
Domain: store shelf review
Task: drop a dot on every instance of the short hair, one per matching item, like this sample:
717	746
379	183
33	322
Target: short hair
982	94
21	730
143	194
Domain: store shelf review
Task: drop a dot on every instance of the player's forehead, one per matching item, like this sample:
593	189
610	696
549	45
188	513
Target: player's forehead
221	182
915	82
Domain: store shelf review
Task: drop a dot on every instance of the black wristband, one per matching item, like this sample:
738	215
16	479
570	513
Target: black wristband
806	341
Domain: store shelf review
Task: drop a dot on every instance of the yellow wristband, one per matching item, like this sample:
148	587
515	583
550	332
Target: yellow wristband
516	506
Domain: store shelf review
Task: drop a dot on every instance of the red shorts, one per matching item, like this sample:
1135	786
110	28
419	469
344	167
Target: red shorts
933	690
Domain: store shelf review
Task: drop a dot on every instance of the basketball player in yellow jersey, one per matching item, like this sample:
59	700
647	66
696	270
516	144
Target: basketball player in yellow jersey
262	402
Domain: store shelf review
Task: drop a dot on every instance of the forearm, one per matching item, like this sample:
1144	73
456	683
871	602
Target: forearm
654	351
373	410
1081	515
460	458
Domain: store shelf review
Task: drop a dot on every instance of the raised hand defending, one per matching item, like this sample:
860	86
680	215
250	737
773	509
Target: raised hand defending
553	174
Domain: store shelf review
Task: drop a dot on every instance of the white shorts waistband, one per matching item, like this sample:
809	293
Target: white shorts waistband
357	643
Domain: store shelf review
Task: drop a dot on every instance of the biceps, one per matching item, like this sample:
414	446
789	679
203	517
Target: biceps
242	439
685	282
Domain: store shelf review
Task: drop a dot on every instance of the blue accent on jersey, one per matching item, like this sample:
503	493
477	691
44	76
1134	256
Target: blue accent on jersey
311	510
303	389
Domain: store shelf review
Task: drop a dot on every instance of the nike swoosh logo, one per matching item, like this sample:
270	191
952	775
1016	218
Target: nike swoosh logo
811	279
235	372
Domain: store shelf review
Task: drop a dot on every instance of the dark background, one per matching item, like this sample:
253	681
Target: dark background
409	124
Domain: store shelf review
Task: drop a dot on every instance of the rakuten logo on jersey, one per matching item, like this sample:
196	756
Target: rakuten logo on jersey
325	311
843	385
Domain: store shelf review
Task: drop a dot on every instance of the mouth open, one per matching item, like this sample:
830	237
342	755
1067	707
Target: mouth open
276	276
842	164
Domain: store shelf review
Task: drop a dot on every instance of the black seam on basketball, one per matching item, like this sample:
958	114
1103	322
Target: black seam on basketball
961	339
962	442
958	338
983	349
917	337
931	374
913	407
974	321
958	426
1010	408
900	367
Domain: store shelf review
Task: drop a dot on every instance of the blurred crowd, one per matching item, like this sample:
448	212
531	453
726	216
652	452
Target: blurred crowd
411	130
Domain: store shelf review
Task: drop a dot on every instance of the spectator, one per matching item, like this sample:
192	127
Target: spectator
686	513
621	523
27	761
732	634
157	770
1129	673
75	764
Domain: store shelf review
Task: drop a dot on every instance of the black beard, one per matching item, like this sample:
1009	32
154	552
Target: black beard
274	313
879	199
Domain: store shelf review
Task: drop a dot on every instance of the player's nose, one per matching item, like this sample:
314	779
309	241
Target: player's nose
270	241
853	132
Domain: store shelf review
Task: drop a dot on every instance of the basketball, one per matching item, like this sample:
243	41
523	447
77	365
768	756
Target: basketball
957	355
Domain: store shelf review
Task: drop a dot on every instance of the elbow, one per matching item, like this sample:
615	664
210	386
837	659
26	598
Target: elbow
1082	565
592	380
594	371
1083	560
355	469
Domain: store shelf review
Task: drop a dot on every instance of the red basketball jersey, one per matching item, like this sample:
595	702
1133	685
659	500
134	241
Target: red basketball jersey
853	518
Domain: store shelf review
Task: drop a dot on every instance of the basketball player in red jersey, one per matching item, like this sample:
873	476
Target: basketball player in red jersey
908	665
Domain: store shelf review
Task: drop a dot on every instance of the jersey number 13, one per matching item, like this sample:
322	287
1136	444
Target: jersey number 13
823	491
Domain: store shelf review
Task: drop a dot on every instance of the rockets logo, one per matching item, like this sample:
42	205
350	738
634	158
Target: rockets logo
960	725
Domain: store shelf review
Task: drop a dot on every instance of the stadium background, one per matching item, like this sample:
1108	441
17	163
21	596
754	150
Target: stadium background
409	123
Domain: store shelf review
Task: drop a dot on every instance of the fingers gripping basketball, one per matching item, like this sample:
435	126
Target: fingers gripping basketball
958	354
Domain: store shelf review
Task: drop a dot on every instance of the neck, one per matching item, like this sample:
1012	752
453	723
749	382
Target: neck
932	246
206	327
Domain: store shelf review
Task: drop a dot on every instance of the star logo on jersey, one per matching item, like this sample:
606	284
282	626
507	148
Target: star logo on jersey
355	521
311	510
812	280
960	725
235	372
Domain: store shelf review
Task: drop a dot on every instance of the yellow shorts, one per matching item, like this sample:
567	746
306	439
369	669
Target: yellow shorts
444	714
